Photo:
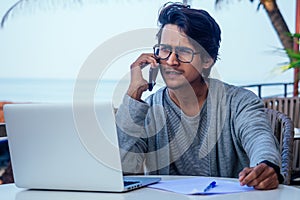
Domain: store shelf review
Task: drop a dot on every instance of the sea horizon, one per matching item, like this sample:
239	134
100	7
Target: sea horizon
48	89
62	89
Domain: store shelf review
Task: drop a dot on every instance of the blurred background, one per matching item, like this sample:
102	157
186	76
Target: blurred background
45	43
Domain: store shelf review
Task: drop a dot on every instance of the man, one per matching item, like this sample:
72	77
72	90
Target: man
195	125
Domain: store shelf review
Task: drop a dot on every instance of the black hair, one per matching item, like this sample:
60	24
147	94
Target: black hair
195	23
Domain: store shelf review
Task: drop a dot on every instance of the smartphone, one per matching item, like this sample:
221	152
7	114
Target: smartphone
152	76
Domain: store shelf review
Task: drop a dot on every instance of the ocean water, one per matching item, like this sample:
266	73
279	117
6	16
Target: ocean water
66	90
59	90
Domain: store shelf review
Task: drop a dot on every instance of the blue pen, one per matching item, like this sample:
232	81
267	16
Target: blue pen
210	186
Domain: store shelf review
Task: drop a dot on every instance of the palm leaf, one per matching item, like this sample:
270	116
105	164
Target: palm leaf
293	54
297	35
8	12
32	5
294	35
295	64
43	5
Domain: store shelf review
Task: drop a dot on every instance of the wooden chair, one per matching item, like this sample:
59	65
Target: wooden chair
287	105
2	130
291	107
283	129
5	164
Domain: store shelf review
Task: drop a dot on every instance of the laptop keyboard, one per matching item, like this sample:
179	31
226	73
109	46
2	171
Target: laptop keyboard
126	183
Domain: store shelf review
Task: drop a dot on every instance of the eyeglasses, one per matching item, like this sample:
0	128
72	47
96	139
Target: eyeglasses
183	54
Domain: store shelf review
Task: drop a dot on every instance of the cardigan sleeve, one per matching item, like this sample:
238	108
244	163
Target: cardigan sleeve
254	130
130	120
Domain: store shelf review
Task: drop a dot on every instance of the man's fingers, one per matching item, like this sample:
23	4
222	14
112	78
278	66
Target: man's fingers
137	83
244	173
271	182
144	60
253	174
262	178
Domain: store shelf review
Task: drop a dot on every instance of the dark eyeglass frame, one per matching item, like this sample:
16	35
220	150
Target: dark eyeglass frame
177	56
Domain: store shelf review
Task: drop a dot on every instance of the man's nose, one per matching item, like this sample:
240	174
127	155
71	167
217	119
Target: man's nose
172	60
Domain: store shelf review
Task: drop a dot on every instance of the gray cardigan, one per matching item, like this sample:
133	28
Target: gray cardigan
230	132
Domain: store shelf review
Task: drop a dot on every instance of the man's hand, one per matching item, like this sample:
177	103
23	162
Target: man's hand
138	84
261	177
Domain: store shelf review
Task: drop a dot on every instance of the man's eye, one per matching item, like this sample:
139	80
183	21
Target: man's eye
165	49
184	50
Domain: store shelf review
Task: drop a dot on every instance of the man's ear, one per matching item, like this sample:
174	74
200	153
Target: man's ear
207	62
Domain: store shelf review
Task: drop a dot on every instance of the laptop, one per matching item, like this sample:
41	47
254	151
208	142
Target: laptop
64	146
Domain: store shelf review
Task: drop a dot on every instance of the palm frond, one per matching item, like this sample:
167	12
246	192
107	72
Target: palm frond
292	65
34	5
293	54
296	64
38	5
294	35
8	12
219	2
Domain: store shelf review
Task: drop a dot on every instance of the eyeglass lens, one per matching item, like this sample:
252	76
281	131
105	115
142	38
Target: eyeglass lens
183	54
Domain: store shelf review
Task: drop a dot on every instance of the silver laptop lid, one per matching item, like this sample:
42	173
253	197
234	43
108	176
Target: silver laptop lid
59	146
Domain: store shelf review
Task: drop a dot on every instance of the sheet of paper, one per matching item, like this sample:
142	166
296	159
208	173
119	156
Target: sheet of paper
197	185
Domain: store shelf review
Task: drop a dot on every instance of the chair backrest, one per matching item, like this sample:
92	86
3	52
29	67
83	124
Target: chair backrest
2	130
287	105
283	129
5	165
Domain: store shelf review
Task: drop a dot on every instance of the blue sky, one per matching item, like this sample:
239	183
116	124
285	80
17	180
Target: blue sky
41	42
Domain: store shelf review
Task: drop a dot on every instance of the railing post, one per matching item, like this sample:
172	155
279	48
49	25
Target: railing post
285	90
259	91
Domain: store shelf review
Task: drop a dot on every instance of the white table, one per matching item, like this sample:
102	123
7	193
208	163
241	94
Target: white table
11	192
297	134
296	161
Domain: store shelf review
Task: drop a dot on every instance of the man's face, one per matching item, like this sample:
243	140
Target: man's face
175	73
